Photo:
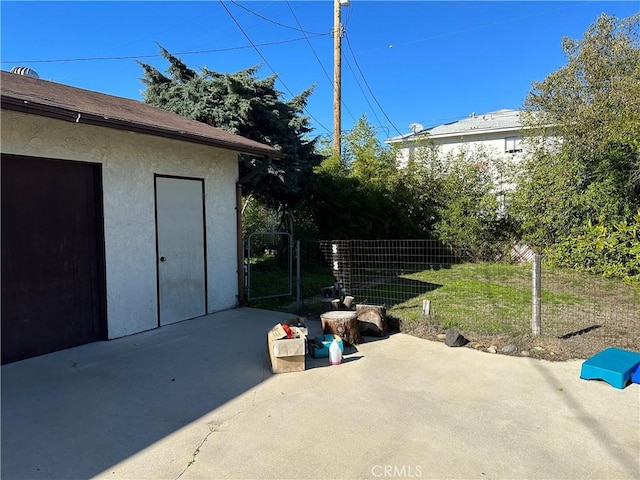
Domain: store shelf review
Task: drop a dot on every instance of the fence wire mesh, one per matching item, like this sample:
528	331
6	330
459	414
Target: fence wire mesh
268	265
423	281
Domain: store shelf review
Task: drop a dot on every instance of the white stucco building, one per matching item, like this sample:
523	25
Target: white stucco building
117	217
499	133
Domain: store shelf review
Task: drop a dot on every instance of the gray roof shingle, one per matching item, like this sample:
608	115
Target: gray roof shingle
498	120
42	97
474	124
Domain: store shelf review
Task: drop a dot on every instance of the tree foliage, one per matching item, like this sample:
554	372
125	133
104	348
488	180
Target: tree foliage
355	194
369	161
365	194
417	193
470	213
592	106
609	250
246	105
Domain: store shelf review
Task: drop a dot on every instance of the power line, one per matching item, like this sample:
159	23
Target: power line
477	27
368	87
362	90
136	57
273	21
264	59
326	74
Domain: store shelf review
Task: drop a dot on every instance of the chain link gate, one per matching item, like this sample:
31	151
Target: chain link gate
268	265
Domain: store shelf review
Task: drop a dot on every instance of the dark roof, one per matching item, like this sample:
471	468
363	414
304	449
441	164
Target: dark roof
50	99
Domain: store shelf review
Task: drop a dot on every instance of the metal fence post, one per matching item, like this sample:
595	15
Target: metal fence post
536	320
298	280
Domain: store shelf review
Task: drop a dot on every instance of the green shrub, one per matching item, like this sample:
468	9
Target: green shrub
610	250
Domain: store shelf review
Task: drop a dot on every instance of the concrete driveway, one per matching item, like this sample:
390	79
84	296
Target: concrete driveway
196	400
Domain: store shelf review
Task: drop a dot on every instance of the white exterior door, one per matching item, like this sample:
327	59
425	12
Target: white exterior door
180	249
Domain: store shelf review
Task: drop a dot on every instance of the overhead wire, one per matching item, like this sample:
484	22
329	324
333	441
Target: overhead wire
317	58
265	60
266	19
309	43
307	35
483	26
362	90
301	29
368	87
355	76
156	55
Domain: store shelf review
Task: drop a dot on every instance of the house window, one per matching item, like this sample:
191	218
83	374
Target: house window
512	145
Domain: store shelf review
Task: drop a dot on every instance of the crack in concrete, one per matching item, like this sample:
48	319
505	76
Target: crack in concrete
215	427
212	429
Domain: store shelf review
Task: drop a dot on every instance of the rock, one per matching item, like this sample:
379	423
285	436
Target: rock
492	349
538	349
441	336
509	349
525	353
454	338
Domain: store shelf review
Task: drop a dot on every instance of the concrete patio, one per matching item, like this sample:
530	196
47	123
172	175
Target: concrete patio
196	400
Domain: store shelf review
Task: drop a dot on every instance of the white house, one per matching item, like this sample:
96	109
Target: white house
117	217
499	133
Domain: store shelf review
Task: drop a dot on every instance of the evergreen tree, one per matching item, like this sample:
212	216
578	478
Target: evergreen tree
248	106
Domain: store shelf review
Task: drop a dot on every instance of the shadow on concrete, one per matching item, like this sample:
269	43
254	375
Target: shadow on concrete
630	464
77	412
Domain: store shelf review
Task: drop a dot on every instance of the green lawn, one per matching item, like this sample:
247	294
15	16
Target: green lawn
481	298
490	298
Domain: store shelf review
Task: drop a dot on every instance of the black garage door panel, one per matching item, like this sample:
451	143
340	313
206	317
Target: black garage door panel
52	256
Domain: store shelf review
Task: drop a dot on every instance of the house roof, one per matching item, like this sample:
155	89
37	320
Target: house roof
500	120
55	100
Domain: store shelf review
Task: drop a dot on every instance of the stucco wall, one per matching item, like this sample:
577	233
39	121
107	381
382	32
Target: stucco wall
129	162
491	142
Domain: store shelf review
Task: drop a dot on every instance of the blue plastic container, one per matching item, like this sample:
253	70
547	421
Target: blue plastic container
613	365
319	348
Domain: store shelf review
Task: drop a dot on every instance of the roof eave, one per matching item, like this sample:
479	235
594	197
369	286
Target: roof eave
74	116
425	135
478	131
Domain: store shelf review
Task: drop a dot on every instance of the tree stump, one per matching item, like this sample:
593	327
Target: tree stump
372	320
342	323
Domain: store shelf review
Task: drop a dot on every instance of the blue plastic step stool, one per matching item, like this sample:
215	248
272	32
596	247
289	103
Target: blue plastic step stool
613	365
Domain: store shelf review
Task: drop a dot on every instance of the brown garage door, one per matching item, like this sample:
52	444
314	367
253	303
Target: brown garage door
52	256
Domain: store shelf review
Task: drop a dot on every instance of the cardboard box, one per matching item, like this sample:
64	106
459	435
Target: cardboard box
298	322
286	354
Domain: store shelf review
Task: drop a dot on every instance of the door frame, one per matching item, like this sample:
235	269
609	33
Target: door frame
204	239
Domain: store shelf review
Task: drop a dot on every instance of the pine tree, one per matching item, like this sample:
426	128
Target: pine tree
246	105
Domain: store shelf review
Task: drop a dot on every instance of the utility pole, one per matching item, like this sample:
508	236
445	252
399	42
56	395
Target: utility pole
337	74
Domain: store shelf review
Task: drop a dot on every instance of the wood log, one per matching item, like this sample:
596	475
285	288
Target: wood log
342	323
329	304
372	320
348	300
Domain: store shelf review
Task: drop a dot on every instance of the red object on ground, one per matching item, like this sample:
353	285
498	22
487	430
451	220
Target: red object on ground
287	329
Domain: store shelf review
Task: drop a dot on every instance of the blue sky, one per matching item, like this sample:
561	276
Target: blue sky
426	62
